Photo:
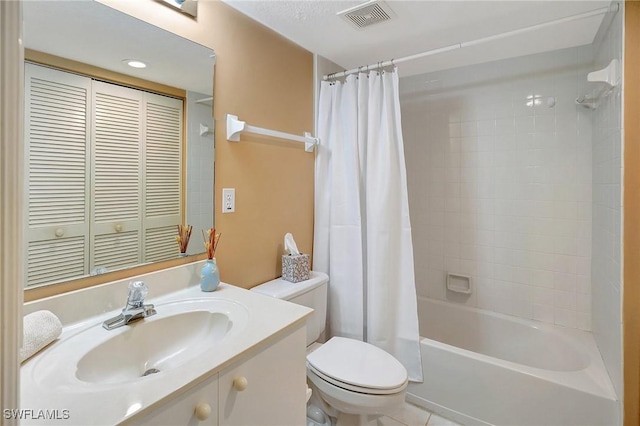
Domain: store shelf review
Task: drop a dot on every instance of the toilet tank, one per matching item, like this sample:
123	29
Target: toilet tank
311	293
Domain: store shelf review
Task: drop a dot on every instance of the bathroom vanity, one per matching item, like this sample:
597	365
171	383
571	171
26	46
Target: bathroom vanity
255	390
229	357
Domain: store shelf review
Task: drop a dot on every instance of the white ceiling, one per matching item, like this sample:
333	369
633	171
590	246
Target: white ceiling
95	34
424	25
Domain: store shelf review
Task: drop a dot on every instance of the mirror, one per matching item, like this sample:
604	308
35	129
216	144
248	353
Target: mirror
93	35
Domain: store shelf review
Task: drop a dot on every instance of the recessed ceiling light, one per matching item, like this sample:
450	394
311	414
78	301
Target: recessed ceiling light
135	63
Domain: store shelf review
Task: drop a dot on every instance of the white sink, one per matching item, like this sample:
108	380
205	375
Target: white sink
180	332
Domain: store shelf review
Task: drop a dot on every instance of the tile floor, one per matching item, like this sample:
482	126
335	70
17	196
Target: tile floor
412	415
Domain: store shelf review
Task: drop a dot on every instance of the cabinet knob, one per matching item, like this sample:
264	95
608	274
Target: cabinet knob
202	411
59	232
240	383
118	228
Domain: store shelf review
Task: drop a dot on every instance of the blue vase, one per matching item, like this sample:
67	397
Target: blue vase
209	276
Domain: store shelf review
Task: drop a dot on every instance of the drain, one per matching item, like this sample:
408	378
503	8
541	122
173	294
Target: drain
150	371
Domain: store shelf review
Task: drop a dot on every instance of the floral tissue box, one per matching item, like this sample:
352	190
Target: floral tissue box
296	267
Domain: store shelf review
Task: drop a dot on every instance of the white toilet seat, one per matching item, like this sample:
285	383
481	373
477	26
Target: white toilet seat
352	388
351	402
358	367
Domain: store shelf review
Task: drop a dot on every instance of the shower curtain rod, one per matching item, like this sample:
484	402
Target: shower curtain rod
601	11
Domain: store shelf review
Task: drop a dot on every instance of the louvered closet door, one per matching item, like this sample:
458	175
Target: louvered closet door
116	235
56	157
162	176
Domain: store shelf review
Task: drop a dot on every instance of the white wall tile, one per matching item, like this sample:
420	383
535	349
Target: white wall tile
583	320
455	130
565	317
522	107
522	303
200	152
469	129
486	128
543	313
525	124
606	213
547	123
435	284
543	296
512	204
543	279
494	295
565	300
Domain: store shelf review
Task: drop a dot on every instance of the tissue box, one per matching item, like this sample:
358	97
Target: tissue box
296	267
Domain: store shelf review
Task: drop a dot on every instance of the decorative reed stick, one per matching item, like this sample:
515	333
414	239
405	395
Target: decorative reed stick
184	233
211	240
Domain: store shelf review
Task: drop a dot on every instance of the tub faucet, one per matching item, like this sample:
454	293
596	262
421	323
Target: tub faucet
134	309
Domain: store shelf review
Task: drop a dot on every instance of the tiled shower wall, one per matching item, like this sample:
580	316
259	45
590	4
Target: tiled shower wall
499	167
200	152
607	212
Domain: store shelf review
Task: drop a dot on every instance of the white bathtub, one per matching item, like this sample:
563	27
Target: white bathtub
491	369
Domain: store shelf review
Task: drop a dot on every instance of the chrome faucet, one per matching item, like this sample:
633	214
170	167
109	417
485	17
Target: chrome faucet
134	309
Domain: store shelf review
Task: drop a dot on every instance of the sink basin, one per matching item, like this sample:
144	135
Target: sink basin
152	346
180	332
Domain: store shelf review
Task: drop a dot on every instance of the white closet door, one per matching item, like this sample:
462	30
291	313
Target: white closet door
162	176
57	129
117	176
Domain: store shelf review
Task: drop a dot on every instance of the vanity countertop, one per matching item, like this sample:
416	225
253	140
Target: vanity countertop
103	403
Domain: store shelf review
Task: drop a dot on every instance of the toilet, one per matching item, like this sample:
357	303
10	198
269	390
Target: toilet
352	382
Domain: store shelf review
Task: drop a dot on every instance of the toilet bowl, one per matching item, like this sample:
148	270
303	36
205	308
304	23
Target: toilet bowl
355	381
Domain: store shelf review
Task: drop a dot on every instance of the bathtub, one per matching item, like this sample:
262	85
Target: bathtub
483	368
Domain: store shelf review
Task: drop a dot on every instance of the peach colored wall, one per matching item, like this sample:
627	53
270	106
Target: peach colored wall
266	81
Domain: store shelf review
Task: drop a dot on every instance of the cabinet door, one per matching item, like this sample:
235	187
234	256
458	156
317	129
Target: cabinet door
269	388
116	239
186	408
162	155
57	130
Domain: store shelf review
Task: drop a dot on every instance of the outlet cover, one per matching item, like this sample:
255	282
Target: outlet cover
228	200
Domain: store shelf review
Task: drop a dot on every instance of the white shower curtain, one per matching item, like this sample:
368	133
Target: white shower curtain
362	228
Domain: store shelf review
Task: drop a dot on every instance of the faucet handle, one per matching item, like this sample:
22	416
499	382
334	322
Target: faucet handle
138	290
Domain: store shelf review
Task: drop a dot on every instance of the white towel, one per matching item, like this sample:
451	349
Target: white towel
40	328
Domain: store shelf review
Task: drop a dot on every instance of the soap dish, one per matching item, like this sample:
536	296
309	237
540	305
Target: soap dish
458	283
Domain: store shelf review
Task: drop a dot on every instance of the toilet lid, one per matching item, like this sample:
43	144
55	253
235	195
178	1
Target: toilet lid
358	364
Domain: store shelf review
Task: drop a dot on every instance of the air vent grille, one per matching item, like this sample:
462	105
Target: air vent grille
368	14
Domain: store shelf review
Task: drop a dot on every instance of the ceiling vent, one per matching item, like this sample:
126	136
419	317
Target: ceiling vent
367	14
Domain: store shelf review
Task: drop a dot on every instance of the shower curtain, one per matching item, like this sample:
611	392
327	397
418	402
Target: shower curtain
362	228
